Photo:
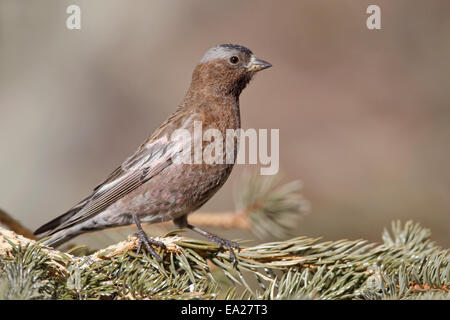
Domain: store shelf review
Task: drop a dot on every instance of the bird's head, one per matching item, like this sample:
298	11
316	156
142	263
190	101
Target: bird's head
227	69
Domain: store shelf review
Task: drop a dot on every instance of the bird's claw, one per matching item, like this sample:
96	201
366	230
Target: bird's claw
229	245
148	242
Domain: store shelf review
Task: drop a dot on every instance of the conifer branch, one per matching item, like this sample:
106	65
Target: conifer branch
408	265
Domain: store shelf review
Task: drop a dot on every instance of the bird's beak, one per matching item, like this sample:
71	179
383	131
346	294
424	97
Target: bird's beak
256	65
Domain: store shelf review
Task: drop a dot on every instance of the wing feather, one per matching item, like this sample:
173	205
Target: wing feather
149	160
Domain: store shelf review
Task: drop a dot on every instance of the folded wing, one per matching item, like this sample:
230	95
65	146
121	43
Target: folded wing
149	160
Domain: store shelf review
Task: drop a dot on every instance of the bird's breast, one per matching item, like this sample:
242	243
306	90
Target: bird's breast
184	187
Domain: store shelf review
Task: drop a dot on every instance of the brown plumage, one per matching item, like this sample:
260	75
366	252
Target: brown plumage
151	185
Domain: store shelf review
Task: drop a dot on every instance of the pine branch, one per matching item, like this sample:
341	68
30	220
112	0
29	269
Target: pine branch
10	223
408	265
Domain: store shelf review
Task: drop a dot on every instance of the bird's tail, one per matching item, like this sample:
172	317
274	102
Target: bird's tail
59	238
57	229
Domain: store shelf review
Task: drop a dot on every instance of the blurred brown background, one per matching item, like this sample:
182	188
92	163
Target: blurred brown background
364	116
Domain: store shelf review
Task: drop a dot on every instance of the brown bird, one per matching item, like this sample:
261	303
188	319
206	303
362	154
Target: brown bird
155	184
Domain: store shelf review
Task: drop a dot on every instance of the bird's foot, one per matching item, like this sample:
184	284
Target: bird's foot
227	244
182	223
148	242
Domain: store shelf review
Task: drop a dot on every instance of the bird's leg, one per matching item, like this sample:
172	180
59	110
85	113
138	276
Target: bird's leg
220	241
144	239
183	223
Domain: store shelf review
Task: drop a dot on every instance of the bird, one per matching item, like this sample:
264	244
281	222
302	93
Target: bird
153	185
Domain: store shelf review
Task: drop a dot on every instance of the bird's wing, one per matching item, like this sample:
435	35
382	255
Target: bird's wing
150	159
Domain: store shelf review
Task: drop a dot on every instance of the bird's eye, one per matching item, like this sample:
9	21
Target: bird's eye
234	59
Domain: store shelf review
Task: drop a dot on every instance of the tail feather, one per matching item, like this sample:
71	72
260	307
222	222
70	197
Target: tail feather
59	238
53	225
